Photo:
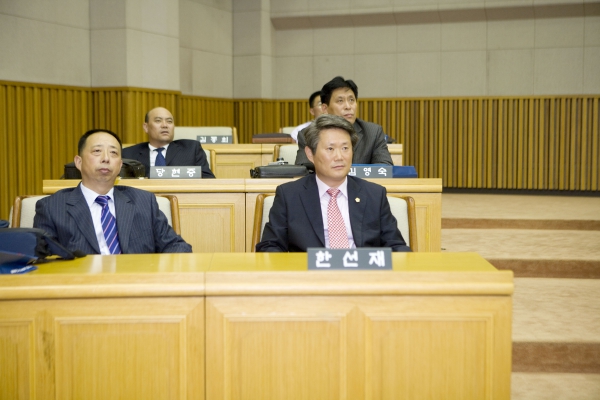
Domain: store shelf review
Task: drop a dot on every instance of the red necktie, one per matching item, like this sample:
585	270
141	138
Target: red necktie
338	238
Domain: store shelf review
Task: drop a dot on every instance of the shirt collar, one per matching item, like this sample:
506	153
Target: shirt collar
152	148
90	195
323	188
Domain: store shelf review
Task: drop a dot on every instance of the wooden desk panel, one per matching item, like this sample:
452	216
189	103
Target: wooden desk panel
437	326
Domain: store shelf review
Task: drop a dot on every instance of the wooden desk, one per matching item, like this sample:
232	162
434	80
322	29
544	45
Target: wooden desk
256	326
218	214
236	161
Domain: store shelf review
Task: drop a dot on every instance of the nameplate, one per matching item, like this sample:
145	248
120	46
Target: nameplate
374	258
215	139
371	171
175	172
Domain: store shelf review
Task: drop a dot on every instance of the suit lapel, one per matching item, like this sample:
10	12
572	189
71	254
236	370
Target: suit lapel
78	209
312	207
172	152
359	131
356	209
124	208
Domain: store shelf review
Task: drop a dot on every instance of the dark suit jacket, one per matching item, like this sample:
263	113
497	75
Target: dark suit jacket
295	221
182	152
142	227
371	147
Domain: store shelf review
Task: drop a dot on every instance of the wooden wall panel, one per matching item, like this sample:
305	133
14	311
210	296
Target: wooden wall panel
40	127
201	111
122	110
539	143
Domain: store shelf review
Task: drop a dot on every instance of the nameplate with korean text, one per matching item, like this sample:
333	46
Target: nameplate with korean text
371	171
215	139
373	258
176	172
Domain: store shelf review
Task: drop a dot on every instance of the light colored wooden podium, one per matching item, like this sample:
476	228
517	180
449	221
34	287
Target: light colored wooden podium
256	326
217	215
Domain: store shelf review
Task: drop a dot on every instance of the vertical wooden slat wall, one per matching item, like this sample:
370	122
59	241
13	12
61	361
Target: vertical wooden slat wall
39	131
203	111
539	143
122	110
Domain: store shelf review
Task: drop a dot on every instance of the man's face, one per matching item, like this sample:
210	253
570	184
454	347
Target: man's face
342	103
160	127
333	156
316	108
100	161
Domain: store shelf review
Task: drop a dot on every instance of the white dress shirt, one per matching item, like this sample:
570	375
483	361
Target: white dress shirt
96	211
153	153
342	202
297	130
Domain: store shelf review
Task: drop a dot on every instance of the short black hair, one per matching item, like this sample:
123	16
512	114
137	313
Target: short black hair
312	134
89	133
312	97
336	83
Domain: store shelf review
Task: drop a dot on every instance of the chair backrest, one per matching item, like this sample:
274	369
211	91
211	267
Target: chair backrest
287	129
192	132
211	156
403	209
169	205
264	202
285	151
23	210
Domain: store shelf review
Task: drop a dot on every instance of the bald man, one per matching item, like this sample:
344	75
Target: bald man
159	124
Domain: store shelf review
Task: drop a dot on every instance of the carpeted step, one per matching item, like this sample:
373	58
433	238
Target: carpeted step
544	224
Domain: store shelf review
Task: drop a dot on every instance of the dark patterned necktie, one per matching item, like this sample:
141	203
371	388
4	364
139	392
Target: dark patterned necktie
109	226
160	159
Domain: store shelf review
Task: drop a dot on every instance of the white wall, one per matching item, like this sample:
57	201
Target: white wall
410	48
206	47
45	41
289	48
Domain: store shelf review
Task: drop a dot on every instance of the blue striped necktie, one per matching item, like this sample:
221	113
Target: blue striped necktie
160	159
109	226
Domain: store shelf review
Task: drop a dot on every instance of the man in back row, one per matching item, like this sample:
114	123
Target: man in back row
314	101
162	150
339	97
97	217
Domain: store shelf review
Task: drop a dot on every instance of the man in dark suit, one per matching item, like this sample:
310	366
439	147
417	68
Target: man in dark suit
329	208
97	217
160	127
339	97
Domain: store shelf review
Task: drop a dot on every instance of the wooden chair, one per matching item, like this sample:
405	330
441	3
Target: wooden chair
264	202
211	156
287	129
285	151
23	210
192	132
402	207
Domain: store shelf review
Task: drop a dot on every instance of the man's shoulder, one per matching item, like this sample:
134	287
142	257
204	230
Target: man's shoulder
364	184
368	125
298	183
61	193
131	191
186	142
135	147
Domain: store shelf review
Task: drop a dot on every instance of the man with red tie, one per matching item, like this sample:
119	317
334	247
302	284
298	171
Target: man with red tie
329	208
